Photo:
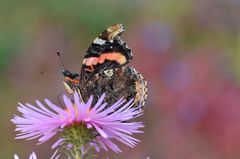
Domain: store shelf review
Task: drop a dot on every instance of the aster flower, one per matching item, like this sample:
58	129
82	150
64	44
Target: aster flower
34	156
79	124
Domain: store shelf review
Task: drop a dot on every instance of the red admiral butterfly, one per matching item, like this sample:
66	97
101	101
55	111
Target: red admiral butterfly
103	71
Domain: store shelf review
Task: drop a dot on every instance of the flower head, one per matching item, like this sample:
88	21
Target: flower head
79	123
34	156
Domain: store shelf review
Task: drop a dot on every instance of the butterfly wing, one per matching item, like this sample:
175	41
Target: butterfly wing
107	51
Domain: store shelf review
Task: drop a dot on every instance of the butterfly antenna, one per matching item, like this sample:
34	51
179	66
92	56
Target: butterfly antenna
45	74
59	55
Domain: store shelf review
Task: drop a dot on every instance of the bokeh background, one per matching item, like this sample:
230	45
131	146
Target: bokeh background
188	50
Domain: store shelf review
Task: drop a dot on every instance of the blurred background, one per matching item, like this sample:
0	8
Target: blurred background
188	50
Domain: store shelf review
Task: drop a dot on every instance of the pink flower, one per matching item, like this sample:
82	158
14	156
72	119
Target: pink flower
107	123
34	156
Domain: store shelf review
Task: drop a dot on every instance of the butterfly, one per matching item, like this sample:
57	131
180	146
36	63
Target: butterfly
103	71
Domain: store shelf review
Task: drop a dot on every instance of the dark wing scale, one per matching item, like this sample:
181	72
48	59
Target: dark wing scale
123	82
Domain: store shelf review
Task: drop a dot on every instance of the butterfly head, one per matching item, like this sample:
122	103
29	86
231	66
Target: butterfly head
69	74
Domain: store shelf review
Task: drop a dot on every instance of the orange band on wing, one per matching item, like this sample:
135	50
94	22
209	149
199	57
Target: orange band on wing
113	56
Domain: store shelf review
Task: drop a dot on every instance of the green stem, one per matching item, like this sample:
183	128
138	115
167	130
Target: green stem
78	155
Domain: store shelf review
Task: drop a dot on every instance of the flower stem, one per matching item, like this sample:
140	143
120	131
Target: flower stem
77	153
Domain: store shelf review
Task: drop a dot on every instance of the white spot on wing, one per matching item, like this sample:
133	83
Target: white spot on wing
99	41
109	72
